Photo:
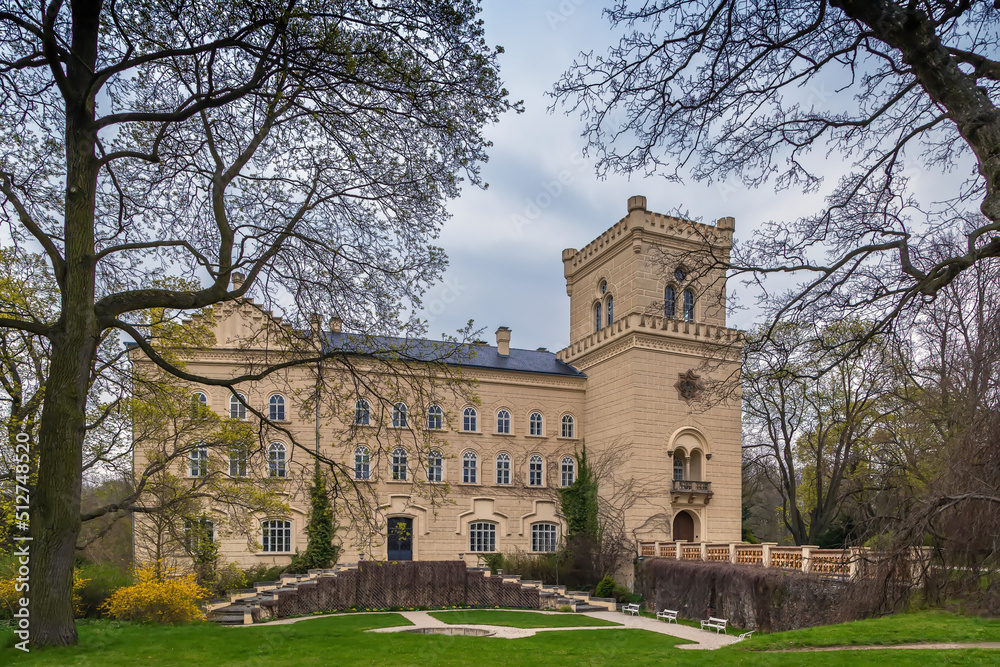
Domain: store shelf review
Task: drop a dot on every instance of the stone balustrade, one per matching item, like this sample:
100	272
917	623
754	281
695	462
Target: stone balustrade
837	563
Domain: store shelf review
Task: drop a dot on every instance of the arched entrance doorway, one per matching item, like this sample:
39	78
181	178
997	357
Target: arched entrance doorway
400	539
683	527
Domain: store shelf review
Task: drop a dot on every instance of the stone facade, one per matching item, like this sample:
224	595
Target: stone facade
641	389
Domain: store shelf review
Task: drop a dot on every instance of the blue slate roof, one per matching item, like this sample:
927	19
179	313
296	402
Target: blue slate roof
468	355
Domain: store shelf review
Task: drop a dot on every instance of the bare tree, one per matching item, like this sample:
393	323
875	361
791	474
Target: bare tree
726	89
309	145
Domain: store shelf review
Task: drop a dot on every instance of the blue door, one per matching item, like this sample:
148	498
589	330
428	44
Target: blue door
400	539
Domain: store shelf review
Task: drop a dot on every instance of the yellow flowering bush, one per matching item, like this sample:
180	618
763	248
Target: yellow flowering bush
166	598
78	583
9	595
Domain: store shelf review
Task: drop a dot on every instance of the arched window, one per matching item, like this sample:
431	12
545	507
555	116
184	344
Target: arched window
535	423
678	466
689	305
238	462
276	408
198	534
435	418
503	469
362	463
482	537
276	460
568	430
503	422
597	316
399	412
670	302
469	419
198	462
238	406
535	470
609	308
199	405
567	471
435	466
362	413
544	537
399	464
469	469
277	536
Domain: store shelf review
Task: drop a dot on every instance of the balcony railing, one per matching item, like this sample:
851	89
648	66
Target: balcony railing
691	486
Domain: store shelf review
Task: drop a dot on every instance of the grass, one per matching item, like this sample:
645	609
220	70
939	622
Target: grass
340	639
517	619
916	627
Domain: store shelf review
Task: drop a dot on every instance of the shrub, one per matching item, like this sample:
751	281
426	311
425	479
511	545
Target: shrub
229	578
605	587
101	581
9	594
262	572
170	599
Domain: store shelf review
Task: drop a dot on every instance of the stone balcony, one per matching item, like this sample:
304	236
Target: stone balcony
691	492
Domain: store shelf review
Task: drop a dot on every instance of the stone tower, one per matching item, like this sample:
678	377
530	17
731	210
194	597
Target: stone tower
648	327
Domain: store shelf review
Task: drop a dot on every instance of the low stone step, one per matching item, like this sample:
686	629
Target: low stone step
588	607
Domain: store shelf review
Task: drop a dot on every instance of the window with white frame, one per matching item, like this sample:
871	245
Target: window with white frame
198	534
535	423
435	418
544	537
238	462
482	537
535	470
469	419
399	464
399	412
362	463
568	427
276	460
198	462
470	468
503	468
689	305
435	466
238	406
199	405
567	471
678	466
362	413
276	408
277	536
503	422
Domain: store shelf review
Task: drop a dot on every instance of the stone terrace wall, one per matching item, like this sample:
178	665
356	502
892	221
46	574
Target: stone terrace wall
749	597
408	584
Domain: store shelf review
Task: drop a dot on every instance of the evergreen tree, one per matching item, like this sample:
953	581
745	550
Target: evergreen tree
320	552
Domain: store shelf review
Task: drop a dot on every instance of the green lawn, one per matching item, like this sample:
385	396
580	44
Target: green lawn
925	626
517	619
340	640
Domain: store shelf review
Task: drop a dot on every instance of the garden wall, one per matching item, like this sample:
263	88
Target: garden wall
749	597
376	585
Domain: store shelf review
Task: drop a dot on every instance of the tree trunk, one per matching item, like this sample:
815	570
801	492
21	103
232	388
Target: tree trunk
55	519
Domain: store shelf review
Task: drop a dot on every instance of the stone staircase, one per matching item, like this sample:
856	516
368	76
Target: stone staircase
244	605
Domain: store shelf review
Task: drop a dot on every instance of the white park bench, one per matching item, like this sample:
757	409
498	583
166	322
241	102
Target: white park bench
713	623
747	635
631	608
668	615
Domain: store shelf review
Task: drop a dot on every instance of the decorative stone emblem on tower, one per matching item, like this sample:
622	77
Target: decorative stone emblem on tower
689	385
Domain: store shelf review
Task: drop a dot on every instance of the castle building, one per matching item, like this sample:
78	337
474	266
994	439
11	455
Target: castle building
468	458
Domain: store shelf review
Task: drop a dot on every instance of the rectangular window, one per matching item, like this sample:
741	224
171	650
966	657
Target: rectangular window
199	462
277	537
482	537
544	537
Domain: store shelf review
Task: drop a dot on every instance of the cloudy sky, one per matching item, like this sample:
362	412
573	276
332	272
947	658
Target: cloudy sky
503	272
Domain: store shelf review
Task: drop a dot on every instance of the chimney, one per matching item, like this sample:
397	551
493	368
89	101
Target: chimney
236	279
336	325
503	341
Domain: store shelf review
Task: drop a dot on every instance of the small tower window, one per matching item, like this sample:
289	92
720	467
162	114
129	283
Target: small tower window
610	308
597	316
604	287
670	302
